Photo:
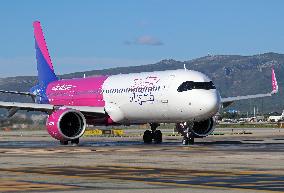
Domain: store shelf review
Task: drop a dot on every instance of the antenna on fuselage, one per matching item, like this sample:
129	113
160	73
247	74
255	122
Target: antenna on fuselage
184	66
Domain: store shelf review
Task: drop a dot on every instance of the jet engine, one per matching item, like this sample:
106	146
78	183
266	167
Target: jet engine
66	124
197	129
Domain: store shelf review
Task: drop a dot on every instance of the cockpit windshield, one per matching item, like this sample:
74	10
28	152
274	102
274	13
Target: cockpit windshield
190	85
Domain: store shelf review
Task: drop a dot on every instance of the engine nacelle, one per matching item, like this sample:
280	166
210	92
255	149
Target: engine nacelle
203	128
197	129
66	124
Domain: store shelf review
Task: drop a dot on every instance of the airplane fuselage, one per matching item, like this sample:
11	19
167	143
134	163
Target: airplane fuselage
141	97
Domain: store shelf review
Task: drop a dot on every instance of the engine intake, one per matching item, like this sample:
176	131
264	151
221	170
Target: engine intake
66	124
203	128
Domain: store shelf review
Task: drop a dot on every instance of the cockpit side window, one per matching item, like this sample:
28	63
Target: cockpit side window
190	85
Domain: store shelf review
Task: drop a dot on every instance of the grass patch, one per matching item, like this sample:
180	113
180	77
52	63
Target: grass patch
248	125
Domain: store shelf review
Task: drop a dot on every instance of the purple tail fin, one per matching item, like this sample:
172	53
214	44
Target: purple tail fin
44	65
45	69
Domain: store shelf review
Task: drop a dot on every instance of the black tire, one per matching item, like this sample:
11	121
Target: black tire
158	136
185	141
191	140
147	137
188	141
75	141
63	142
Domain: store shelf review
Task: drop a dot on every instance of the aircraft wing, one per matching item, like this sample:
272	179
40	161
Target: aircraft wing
13	107
228	101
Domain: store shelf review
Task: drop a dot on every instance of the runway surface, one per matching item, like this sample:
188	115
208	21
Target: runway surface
33	162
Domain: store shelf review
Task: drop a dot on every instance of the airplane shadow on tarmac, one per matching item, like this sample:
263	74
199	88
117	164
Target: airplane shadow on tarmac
231	144
168	142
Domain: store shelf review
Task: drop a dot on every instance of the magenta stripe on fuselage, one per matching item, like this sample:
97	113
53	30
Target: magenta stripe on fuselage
77	92
41	43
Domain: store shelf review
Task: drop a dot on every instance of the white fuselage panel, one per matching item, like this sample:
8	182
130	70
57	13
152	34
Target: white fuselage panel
153	97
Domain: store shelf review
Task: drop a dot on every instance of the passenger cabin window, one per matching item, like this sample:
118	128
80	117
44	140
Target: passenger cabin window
190	85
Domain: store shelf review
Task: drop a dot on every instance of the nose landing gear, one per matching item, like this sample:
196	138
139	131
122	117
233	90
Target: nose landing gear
184	130
188	140
155	135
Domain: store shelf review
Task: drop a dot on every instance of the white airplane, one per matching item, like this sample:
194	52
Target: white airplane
184	97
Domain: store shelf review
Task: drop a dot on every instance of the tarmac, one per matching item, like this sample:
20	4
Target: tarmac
31	161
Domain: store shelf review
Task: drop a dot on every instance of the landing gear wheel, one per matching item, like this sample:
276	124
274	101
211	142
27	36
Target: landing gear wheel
147	137
158	136
75	141
63	142
191	140
154	134
185	141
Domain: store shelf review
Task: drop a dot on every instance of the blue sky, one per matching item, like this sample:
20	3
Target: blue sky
86	35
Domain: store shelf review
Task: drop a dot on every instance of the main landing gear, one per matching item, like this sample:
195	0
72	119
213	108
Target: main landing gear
154	134
73	142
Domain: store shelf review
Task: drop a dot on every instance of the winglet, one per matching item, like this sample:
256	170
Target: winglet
274	82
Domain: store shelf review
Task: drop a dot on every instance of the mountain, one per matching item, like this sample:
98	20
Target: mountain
233	75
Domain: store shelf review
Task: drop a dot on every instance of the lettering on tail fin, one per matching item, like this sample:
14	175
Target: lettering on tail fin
274	82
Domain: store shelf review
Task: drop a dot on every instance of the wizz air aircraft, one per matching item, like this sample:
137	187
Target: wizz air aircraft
184	97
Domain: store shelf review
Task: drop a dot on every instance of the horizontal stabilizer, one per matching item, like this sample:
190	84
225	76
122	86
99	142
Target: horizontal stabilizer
18	93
